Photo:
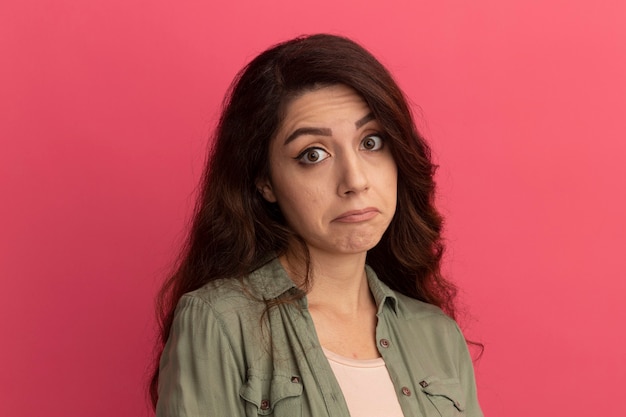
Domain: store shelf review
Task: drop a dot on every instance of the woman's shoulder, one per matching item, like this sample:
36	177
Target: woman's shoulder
252	291
427	314
221	305
221	291
416	309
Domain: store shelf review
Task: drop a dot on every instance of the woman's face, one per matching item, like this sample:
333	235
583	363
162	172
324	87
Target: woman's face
332	173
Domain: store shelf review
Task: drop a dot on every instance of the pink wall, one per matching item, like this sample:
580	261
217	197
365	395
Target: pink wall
105	107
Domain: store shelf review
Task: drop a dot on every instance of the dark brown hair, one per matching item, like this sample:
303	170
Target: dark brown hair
234	230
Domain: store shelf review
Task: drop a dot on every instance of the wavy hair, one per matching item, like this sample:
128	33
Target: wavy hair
234	230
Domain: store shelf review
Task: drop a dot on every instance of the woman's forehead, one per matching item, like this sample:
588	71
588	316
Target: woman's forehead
323	106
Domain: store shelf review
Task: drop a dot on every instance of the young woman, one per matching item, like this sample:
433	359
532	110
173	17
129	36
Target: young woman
310	284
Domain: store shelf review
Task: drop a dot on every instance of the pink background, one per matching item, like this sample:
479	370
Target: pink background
105	107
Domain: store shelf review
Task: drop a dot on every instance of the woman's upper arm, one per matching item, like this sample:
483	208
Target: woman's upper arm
198	373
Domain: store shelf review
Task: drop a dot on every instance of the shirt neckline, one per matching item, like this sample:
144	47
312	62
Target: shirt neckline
353	363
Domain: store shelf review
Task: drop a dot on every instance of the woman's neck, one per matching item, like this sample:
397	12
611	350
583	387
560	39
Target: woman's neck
341	305
337	281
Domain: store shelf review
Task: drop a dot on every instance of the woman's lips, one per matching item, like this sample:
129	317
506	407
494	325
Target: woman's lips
356	216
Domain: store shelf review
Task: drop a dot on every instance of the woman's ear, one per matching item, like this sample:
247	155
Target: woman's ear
265	189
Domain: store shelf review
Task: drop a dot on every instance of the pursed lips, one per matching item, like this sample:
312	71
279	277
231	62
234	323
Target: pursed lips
355	216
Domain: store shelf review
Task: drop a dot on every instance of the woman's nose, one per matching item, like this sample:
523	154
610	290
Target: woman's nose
352	175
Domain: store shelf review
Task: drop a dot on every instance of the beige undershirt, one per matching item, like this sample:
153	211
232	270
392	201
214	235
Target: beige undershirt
366	386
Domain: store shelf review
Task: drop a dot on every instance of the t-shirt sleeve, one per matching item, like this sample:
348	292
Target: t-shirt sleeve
198	373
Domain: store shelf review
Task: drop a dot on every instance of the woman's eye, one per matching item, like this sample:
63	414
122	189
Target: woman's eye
312	156
372	143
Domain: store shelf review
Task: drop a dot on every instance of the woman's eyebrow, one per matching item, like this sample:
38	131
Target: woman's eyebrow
318	131
359	123
324	131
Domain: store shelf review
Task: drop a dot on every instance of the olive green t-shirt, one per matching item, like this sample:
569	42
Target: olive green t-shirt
228	355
